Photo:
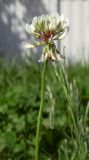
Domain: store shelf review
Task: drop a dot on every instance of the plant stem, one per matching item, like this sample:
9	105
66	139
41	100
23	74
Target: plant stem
40	111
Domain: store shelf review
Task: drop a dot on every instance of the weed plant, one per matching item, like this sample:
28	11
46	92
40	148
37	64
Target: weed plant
65	122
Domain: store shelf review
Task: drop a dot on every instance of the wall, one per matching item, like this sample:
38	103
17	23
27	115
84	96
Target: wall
77	42
15	13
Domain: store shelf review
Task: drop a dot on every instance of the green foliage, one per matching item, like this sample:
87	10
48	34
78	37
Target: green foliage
50	141
19	105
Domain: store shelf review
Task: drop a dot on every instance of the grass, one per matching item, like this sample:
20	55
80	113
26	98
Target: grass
65	122
78	133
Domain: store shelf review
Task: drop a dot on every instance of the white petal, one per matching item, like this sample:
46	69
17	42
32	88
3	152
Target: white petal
62	17
67	22
34	21
28	28
52	26
28	45
58	20
64	33
59	57
43	58
32	28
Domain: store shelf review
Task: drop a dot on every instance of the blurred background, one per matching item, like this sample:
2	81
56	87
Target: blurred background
20	82
14	14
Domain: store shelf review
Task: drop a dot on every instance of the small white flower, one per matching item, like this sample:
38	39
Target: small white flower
47	29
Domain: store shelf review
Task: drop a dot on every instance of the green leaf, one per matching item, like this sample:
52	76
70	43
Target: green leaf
10	139
2	143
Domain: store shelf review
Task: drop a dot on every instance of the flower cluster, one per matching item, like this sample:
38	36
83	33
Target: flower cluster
46	29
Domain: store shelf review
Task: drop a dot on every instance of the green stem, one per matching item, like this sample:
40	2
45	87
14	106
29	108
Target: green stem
40	111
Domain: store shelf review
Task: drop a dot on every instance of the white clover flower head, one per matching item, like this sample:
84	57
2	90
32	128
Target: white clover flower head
50	53
46	29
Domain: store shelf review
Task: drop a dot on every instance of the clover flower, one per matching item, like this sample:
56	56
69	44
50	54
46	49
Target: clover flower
46	29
